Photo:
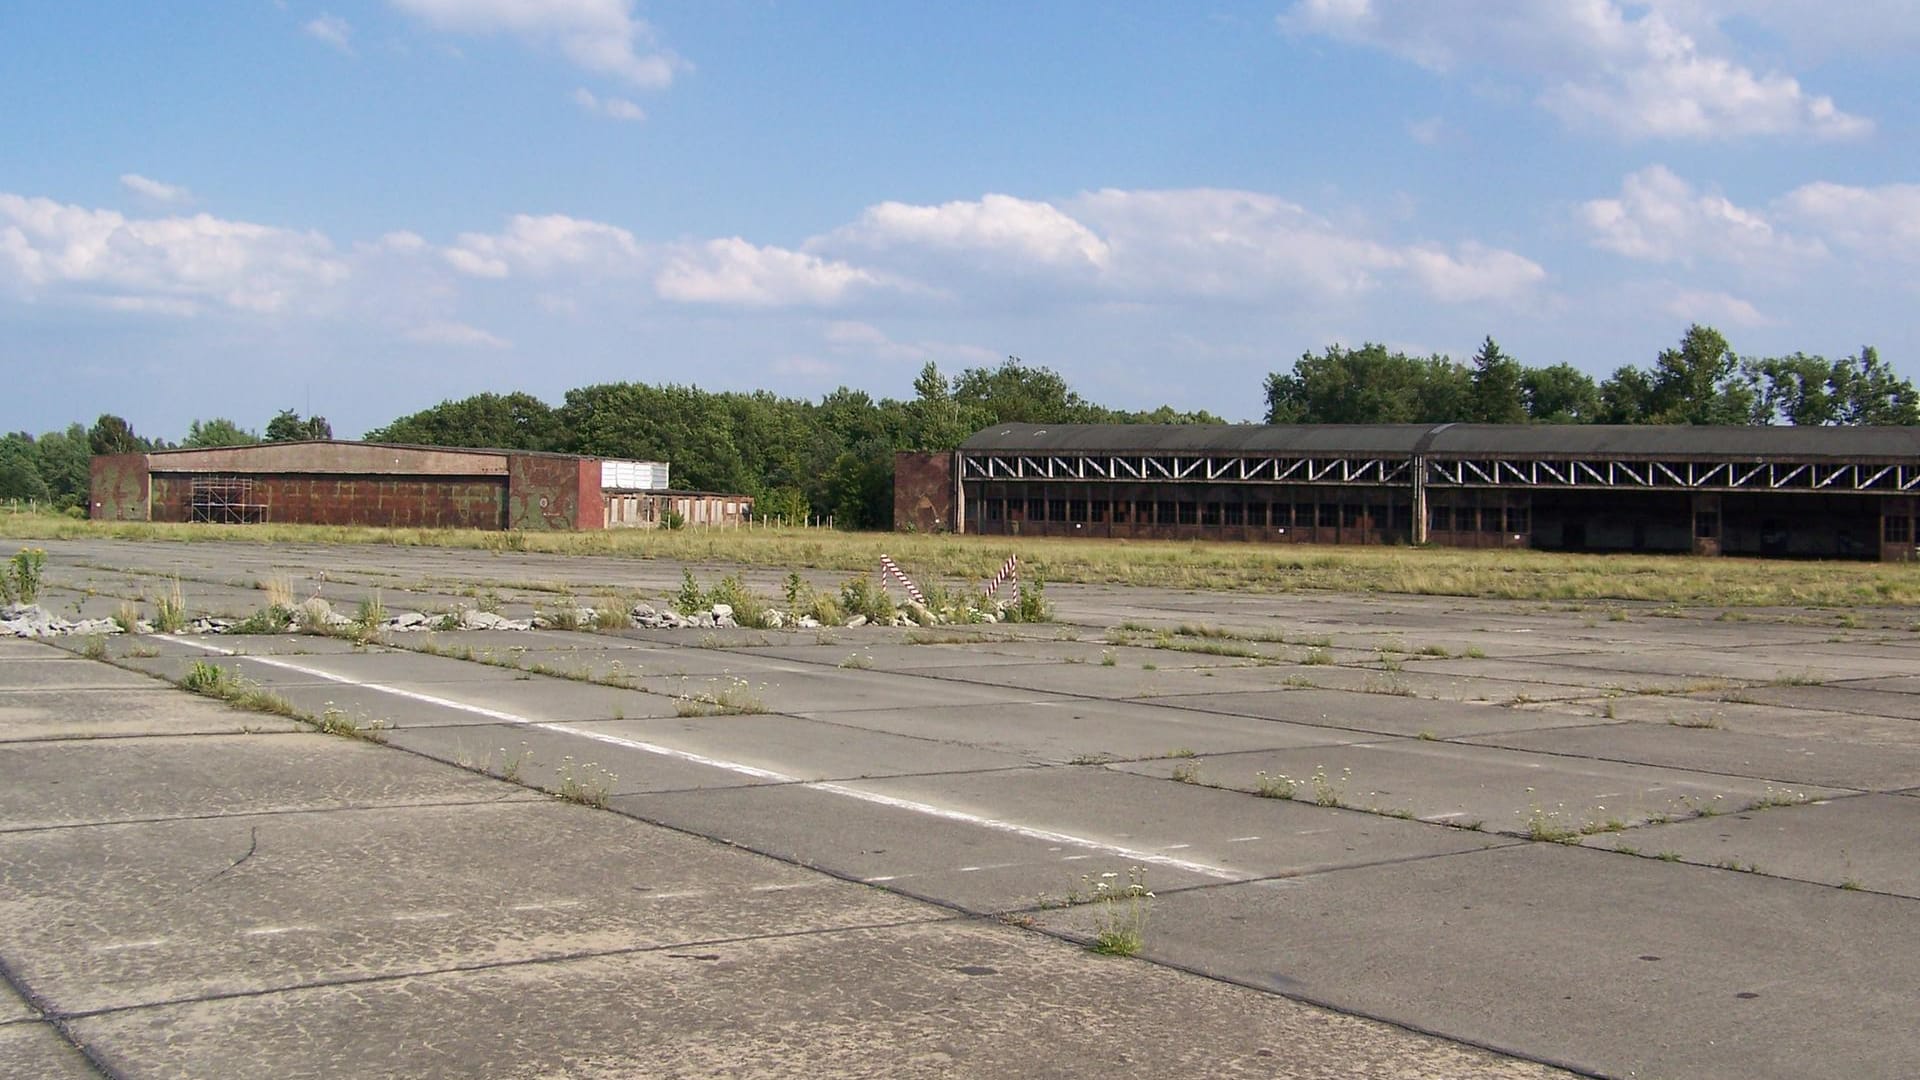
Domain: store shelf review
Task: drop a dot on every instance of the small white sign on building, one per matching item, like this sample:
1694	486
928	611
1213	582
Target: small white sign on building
633	475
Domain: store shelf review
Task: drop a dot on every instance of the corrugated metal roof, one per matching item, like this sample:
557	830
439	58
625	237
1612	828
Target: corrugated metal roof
1458	440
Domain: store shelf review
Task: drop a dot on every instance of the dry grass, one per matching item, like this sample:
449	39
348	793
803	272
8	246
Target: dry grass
1519	575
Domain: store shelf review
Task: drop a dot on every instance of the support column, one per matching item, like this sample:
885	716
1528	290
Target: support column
1419	499
1706	524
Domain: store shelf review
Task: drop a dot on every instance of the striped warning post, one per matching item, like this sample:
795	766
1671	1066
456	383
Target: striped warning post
888	569
1010	571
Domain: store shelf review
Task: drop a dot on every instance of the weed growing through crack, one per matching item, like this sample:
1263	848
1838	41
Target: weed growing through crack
20	579
857	661
369	616
1474	652
1107	658
587	785
1273	785
337	721
170	611
1326	790
1317	656
127	617
1120	911
95	647
734	697
1185	773
210	680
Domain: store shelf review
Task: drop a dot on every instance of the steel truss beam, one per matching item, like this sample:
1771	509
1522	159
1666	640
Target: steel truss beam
1190	468
1504	472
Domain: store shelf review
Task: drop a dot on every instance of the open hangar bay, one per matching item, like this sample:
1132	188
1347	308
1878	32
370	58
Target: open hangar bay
1795	492
1518	837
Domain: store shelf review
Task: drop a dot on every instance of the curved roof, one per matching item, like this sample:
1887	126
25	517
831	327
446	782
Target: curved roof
1457	440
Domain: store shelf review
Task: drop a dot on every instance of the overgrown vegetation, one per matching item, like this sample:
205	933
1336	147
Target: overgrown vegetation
20	578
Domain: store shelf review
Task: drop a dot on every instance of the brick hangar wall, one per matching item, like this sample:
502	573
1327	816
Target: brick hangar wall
923	491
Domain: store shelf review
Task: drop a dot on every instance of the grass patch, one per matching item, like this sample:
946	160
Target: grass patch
1556	577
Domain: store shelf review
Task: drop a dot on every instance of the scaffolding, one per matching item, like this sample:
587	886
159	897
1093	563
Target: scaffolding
225	500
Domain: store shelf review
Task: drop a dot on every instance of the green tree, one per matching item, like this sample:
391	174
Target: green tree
1369	385
1496	396
935	418
20	469
65	464
513	421
112	435
1626	397
1874	394
1560	394
1699	382
218	431
1017	393
288	426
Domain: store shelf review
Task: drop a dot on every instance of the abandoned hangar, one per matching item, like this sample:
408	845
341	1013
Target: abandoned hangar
329	482
1811	492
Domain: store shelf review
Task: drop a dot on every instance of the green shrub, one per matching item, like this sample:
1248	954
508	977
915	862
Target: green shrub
860	596
20	579
690	598
1031	606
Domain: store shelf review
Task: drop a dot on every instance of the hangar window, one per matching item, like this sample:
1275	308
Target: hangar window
1121	511
1097	510
1077	510
1440	518
1189	512
1036	509
1056	509
1165	513
1233	514
1517	519
1350	515
1899	529
996	509
1210	514
1329	515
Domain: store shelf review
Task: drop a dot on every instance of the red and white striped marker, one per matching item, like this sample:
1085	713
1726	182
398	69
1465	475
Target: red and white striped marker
1008	572
889	570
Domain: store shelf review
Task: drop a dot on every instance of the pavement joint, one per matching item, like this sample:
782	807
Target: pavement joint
518	795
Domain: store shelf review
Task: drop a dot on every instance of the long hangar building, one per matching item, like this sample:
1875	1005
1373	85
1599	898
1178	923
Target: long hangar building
1811	492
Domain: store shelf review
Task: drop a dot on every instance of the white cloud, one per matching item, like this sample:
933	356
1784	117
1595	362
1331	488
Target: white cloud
159	264
456	334
1714	308
331	29
1021	230
1592	63
865	339
1154	247
155	191
1880	221
1660	217
547	244
1476	273
616	108
733	271
602	36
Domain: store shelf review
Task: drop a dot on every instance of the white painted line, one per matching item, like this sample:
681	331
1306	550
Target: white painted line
116	946
1241	839
269	931
422	916
1049	836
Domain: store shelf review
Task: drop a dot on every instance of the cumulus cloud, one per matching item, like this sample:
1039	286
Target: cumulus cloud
1021	231
1659	217
331	29
613	107
1593	63
155	191
541	245
1715	308
456	334
1880	221
733	271
169	264
601	36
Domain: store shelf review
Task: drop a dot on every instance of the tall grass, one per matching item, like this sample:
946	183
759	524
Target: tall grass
1502	574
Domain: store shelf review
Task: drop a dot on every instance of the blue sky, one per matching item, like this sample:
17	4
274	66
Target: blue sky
359	209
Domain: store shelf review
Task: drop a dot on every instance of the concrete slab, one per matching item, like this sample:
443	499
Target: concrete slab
1063	730
1827	762
1863	842
1846	699
1745	718
627	662
38	1052
188	912
84	714
14	1008
1248	837
1378	714
13	649
1114	683
940	1000
815	690
925	856
1504	791
1614	965
1556	677
62	676
47	784
540	758
1745	665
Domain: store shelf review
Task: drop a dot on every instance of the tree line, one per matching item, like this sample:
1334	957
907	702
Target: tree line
834	456
1699	381
55	468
